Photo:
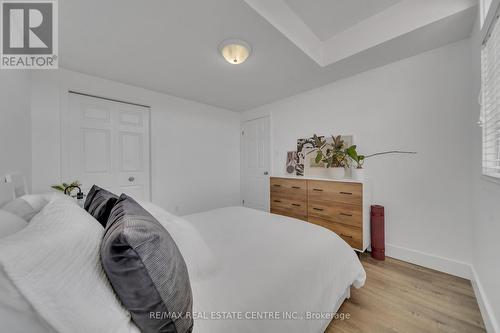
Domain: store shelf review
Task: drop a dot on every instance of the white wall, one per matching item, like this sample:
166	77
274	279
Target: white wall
421	104
194	149
15	131
486	222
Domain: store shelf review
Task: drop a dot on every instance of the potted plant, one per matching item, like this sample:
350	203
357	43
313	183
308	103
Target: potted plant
67	188
334	155
358	172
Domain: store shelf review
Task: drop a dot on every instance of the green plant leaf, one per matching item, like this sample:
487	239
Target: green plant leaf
319	156
58	188
352	153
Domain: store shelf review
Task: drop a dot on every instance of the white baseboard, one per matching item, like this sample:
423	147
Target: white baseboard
453	267
428	260
487	313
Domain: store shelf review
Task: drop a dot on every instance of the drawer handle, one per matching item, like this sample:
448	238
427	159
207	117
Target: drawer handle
296	187
318	209
317	190
277	200
345	214
296	205
346	193
346	236
276	185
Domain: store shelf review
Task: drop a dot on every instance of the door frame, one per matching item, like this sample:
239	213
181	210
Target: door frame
64	109
271	165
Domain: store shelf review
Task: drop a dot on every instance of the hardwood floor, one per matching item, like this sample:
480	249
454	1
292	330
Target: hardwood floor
402	297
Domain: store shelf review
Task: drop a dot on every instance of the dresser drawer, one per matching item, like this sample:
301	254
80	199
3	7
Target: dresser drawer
352	235
290	213
289	187
289	197
337	212
328	191
282	202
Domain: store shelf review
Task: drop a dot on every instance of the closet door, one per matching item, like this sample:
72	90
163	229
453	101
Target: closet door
108	145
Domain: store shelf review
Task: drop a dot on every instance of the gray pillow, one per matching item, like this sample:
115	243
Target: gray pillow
146	269
99	204
90	196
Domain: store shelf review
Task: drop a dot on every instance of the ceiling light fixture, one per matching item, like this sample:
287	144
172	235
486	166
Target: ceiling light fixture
235	51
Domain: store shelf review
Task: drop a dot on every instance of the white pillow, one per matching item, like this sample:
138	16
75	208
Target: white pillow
54	264
27	206
10	223
199	258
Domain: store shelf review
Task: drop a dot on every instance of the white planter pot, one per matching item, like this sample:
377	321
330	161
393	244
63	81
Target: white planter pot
336	173
358	174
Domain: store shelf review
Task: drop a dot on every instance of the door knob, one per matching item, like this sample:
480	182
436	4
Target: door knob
266	173
131	179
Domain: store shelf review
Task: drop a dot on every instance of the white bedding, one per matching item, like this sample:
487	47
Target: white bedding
251	263
54	265
270	263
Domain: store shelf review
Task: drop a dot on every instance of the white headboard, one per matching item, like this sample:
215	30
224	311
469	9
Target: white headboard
19	183
12	185
7	193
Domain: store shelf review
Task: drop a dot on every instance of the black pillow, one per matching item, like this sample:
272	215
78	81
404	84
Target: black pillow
146	269
90	197
99	204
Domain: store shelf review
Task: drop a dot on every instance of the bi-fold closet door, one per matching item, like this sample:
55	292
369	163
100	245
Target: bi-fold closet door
108	145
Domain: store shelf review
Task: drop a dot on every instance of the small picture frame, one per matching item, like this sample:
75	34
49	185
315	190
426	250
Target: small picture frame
291	162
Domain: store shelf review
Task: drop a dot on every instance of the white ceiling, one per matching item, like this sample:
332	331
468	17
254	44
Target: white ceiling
326	18
170	46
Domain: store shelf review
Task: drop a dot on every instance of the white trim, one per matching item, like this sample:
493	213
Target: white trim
488	20
392	22
487	313
442	264
283	18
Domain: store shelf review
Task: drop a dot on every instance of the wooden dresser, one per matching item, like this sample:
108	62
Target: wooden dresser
342	206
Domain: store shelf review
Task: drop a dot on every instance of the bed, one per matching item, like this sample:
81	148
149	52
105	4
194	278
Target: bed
270	273
272	265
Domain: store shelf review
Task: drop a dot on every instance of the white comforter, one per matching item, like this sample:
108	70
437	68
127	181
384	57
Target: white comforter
260	264
270	263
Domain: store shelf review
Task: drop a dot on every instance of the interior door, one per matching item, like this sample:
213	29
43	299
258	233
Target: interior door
109	145
255	163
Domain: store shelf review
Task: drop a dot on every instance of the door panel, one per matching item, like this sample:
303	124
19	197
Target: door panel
133	151
96	147
98	113
255	163
109	145
131	118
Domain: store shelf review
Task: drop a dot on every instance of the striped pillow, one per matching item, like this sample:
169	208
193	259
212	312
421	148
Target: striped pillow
146	269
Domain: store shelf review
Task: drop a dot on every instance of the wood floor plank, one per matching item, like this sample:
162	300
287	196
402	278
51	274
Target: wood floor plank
402	297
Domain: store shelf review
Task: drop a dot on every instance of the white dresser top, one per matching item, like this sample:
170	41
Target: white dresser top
343	180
